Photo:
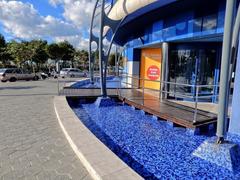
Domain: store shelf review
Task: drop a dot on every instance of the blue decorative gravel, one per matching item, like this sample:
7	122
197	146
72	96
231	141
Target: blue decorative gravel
151	147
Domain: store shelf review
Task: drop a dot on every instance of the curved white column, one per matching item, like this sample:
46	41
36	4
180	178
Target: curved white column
122	8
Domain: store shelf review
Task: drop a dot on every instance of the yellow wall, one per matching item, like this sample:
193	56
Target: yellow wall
151	57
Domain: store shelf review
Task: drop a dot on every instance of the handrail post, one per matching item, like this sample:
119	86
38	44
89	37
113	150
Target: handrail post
196	103
161	94
120	86
143	90
58	86
127	80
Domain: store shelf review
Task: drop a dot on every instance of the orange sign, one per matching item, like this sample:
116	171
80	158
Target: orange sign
151	59
153	72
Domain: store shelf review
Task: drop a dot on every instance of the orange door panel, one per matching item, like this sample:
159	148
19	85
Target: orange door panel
151	67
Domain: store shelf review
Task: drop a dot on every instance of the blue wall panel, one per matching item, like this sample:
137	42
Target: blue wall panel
190	24
156	31
129	54
132	54
181	28
173	20
221	15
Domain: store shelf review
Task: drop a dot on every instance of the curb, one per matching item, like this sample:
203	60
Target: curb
84	161
100	162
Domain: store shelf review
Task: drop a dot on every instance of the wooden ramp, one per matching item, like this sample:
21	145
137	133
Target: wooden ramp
170	111
176	113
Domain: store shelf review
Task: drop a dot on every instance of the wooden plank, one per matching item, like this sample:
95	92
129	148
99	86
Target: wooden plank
176	113
164	116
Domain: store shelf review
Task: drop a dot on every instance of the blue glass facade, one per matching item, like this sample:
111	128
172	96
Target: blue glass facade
184	30
183	26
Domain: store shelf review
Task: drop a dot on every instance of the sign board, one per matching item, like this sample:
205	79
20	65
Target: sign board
151	59
153	72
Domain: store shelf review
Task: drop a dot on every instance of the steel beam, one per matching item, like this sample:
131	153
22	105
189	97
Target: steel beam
101	51
92	38
164	74
225	63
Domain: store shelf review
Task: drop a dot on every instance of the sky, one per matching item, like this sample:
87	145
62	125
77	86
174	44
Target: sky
52	20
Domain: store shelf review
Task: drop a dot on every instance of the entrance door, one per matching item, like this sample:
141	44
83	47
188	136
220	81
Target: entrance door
151	67
192	66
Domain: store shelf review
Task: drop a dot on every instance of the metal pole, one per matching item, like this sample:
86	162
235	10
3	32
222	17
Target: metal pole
116	59
91	66
160	95
196	76
196	103
164	74
90	56
225	62
58	86
143	90
120	85
101	54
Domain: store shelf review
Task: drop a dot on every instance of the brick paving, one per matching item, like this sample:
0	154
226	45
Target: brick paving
32	145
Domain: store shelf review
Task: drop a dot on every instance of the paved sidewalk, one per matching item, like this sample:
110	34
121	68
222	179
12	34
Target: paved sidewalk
32	145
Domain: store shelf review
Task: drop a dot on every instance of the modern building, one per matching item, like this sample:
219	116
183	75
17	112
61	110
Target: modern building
175	47
179	41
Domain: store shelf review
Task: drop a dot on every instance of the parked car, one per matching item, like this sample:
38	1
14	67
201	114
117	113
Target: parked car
72	72
14	74
44	75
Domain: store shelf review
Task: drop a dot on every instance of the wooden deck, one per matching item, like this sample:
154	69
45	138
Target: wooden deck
170	111
176	113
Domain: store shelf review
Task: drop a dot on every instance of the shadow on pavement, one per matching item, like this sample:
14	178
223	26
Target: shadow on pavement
30	94
18	87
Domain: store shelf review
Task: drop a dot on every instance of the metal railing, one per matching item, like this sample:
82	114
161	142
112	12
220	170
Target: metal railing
65	85
163	90
74	86
141	85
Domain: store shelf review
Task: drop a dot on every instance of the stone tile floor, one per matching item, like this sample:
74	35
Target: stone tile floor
32	145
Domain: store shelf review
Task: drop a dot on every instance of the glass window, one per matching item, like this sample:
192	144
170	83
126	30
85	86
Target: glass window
209	23
197	25
18	71
2	70
25	71
169	32
181	28
182	68
9	70
220	22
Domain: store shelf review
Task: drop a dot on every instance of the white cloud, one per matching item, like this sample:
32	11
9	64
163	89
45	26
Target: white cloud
23	21
55	2
77	41
78	12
